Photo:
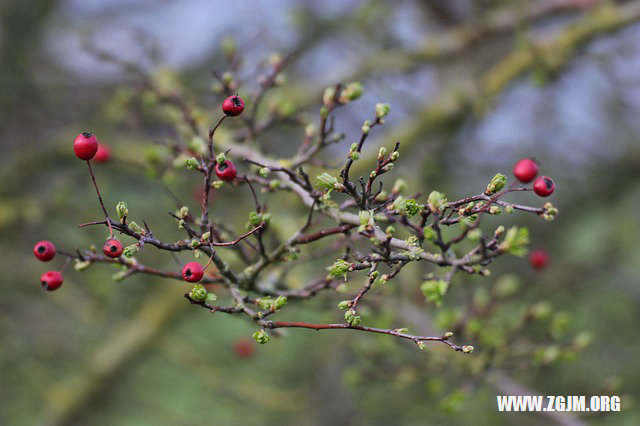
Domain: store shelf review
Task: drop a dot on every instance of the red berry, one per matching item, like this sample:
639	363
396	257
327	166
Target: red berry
233	106
103	154
226	171
526	170
51	280
544	186
112	248
192	272
85	146
244	348
538	259
44	250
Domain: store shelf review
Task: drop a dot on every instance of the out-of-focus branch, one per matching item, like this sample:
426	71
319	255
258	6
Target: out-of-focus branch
502	381
67	398
553	54
466	35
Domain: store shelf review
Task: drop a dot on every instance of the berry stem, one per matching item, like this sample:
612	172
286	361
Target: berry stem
253	192
204	218
211	133
104	210
210	258
66	263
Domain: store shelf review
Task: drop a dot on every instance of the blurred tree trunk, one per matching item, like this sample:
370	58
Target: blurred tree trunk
21	23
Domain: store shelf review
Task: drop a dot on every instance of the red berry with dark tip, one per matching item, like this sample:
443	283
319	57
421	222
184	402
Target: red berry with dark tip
233	106
85	146
538	259
525	170
244	348
544	186
44	250
112	248
226	171
103	154
51	280
192	272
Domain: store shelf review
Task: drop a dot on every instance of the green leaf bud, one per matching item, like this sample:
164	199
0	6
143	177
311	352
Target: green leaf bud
122	210
264	172
261	337
436	201
198	293
192	163
131	250
325	180
382	110
136	228
81	265
498	182
339	269
430	234
344	304
280	302
352	92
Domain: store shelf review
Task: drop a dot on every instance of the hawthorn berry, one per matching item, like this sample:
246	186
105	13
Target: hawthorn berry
103	154
113	248
192	272
244	348
538	259
544	186
233	106
226	170
525	170
85	146
51	280
44	250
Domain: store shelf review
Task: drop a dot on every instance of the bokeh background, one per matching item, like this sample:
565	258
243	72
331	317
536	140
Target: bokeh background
473	85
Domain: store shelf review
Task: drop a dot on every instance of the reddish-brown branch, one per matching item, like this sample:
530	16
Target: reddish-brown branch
213	309
104	210
241	237
314	236
390	332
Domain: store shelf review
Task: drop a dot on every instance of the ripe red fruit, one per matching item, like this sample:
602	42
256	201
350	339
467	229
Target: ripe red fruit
51	280
85	146
103	154
244	348
44	250
538	259
226	171
112	248
525	170
192	272
233	106
544	186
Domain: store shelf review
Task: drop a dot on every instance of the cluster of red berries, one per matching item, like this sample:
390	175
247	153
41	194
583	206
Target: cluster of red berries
232	107
45	251
86	147
526	169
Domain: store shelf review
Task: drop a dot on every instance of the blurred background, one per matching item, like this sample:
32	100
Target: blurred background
473	86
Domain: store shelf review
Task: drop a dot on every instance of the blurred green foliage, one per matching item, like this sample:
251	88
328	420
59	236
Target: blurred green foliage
141	355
